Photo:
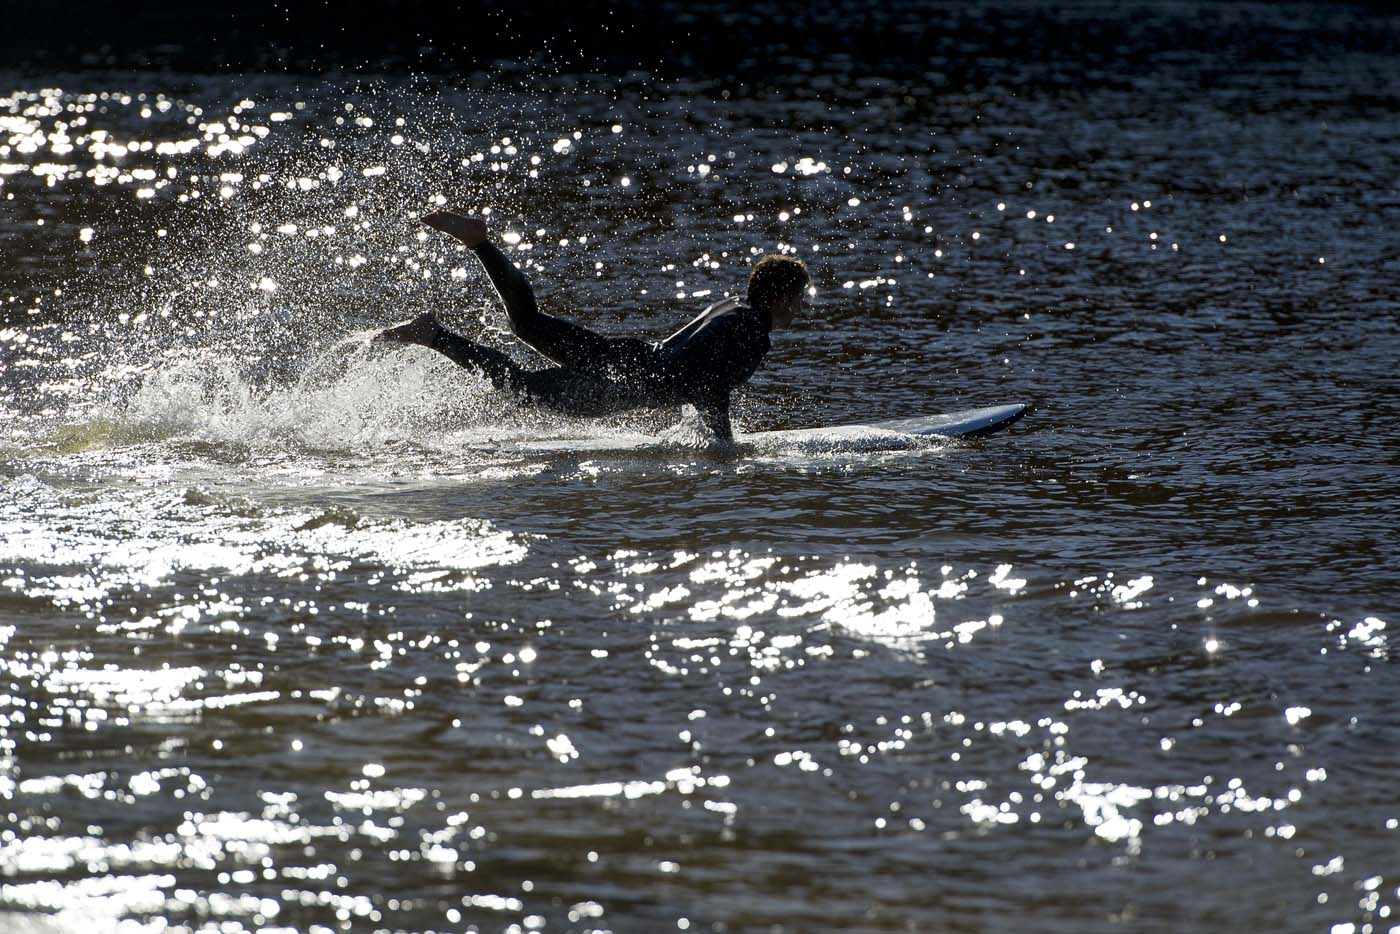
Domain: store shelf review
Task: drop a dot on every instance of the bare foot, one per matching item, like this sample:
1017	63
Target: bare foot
470	230
420	330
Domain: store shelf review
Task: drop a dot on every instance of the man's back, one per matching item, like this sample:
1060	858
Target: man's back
700	365
717	350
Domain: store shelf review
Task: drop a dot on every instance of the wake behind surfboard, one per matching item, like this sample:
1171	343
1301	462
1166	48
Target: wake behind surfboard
892	435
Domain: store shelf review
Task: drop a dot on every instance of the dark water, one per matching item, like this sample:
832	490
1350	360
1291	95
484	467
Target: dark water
296	639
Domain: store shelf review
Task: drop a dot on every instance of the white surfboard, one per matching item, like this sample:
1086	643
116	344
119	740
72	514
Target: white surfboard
964	424
892	435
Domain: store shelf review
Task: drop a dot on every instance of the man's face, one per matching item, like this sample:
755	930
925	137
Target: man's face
787	309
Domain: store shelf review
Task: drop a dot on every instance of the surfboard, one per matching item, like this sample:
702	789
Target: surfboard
890	435
967	423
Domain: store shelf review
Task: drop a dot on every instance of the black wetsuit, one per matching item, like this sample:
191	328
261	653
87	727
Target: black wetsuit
596	375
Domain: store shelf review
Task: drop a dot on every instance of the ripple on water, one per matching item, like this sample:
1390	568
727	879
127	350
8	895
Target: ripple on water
294	639
911	705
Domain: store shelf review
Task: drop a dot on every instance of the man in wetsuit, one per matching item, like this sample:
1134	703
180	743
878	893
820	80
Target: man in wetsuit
596	375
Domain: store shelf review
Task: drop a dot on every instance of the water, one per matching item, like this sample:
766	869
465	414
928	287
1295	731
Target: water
295	639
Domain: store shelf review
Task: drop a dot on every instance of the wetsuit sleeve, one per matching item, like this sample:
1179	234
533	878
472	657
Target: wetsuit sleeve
714	412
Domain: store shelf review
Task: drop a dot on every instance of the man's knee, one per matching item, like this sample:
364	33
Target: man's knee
525	326
552	337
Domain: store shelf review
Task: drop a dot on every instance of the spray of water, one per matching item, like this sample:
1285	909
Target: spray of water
271	236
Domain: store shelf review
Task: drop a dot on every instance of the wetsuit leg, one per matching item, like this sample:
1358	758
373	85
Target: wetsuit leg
557	389
567	344
504	373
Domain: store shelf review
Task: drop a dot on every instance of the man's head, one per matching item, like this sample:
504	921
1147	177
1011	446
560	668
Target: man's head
777	285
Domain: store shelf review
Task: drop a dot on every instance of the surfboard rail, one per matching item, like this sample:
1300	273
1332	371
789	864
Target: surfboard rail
889	435
967	423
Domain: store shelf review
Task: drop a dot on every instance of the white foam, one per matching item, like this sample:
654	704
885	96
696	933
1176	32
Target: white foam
351	396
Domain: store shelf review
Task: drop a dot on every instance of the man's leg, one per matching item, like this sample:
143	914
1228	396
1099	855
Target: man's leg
565	390
570	345
424	330
563	342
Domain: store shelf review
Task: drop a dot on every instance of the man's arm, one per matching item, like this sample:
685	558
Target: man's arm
714	412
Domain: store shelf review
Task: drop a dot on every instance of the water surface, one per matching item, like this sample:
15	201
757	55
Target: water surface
296	639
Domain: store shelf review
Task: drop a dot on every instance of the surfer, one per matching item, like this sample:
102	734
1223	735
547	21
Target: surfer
595	375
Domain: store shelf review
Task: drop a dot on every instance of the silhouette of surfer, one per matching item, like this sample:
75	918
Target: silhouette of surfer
595	375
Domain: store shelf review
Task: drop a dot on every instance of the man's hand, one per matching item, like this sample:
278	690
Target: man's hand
469	230
715	414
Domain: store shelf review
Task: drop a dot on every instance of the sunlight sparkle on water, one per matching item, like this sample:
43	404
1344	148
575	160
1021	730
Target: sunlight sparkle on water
300	639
